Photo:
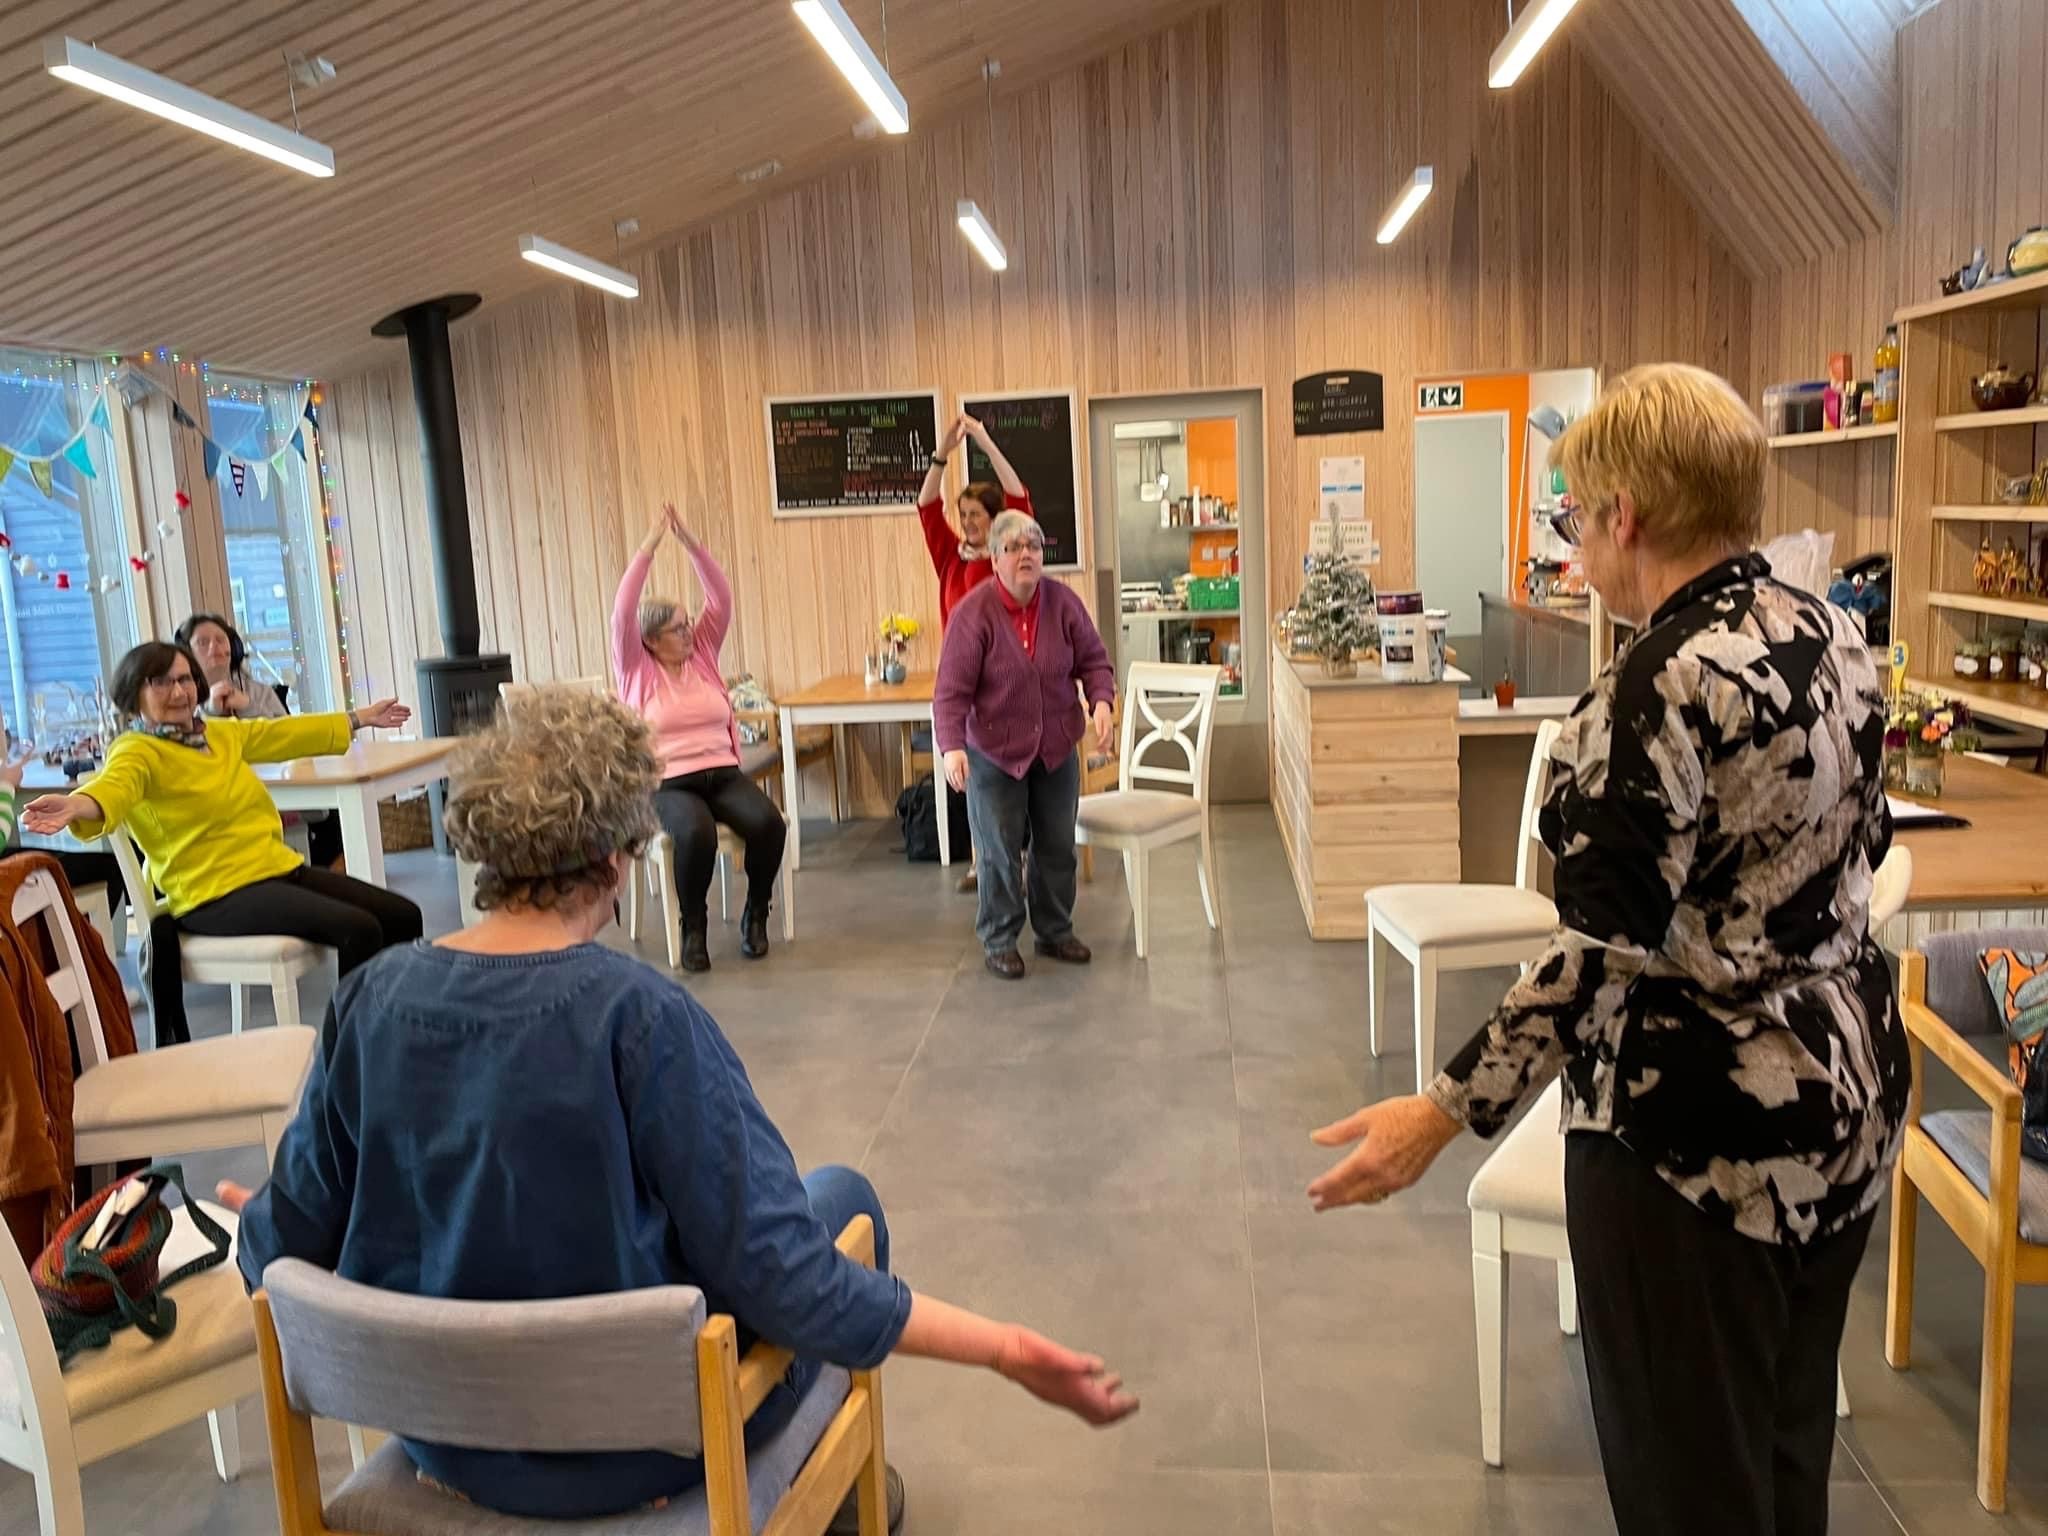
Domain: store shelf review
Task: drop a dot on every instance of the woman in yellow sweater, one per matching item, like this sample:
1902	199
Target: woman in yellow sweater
181	784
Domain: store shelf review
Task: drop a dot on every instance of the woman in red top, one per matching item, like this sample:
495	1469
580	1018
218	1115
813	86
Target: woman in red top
962	559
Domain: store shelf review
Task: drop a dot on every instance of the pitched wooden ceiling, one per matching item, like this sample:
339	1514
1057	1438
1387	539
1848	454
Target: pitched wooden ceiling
456	125
1780	117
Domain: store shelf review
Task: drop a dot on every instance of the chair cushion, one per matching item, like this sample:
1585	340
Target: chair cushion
244	949
1457	914
234	1074
1137	812
1525	1175
215	1327
386	1498
1965	1136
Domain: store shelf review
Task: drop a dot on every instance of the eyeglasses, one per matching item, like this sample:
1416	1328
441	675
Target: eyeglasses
167	684
1018	546
1569	525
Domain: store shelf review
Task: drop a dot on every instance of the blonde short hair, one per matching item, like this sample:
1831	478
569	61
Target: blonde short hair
542	800
1683	444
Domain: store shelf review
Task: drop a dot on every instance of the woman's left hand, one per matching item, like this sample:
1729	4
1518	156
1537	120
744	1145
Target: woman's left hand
232	1195
1397	1141
1105	728
385	714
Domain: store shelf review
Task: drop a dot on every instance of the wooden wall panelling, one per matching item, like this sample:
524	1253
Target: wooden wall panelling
1194	210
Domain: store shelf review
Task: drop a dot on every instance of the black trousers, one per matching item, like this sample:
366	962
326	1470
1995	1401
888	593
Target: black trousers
691	808
355	919
1711	1356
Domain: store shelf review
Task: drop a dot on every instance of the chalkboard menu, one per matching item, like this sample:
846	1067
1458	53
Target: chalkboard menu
1036	434
1328	403
850	453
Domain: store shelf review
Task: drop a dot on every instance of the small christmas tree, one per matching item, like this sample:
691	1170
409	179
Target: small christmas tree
1336	609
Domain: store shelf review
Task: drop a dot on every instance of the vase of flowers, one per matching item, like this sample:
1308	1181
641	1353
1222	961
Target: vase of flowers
898	630
1920	731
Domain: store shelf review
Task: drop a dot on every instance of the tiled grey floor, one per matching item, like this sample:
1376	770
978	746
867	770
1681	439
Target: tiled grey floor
1117	1155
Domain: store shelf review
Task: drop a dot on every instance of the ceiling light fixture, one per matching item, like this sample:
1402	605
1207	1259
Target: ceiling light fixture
1525	39
1412	197
585	269
843	44
981	234
79	63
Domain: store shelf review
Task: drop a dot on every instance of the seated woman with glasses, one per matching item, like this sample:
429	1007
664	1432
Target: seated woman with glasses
180	783
516	1112
1006	716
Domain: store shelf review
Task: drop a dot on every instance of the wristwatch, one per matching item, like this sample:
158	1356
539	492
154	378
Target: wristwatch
938	461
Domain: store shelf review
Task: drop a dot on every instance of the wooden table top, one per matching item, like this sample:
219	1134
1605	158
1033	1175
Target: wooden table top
852	688
2001	858
361	762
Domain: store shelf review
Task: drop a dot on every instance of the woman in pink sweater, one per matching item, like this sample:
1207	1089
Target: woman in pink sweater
667	667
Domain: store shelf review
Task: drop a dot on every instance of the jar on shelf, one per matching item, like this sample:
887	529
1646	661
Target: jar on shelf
2002	665
1972	660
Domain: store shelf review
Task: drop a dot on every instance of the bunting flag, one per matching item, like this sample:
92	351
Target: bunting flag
299	439
99	413
212	452
39	471
240	472
182	416
78	454
309	414
6	463
262	469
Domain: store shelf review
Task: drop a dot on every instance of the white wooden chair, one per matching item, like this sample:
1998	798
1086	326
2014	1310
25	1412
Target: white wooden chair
1178	707
235	1091
238	963
1444	927
1517	1205
184	1098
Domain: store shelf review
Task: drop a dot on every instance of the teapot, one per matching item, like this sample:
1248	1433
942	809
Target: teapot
2000	389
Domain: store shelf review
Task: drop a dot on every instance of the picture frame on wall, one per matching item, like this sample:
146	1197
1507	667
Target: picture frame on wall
859	453
1039	432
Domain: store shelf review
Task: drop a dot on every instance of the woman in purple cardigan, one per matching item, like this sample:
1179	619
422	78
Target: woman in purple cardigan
1006	716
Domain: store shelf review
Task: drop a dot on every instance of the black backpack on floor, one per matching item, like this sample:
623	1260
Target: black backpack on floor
917	814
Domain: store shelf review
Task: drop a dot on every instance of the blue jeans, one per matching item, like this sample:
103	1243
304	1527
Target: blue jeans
837	1195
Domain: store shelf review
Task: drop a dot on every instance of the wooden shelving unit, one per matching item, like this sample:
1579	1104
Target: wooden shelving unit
1952	462
1829	439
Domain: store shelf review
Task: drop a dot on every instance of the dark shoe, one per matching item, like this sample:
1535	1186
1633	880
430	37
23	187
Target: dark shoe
847	1521
1009	965
754	933
696	949
967	884
1070	949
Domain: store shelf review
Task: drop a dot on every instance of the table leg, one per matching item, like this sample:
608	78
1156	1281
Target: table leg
909	758
939	790
792	792
362	835
840	780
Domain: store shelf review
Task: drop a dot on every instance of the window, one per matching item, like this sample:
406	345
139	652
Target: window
61	635
276	548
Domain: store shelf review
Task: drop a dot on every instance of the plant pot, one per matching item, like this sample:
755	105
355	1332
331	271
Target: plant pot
1924	773
1504	694
1339	666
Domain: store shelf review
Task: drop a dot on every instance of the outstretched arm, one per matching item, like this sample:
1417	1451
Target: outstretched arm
626	648
939	539
1012	486
716	616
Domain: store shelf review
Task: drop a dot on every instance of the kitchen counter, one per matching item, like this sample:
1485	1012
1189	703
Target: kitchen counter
1547	651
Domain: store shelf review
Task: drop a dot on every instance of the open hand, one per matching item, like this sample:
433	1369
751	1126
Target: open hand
973	428
11	771
1397	1141
676	526
956	771
232	1195
385	714
1057	1375
48	814
955	430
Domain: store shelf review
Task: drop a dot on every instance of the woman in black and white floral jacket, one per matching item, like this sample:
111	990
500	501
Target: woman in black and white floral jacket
1735	1074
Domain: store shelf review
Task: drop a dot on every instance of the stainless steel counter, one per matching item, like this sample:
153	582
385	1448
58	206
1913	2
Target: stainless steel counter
1545	650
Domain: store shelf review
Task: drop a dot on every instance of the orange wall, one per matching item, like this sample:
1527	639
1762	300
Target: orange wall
1212	458
1497	392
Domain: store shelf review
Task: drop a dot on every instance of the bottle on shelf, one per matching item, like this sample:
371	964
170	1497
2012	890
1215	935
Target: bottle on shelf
1885	403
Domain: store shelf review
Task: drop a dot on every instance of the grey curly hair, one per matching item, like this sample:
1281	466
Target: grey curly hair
542	800
1011	522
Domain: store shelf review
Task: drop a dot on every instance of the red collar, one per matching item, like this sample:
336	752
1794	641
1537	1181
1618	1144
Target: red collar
1012	605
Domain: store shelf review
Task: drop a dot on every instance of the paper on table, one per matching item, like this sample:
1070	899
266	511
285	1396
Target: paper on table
1904	811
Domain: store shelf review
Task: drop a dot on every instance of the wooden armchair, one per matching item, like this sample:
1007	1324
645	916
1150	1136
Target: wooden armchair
1967	1165
639	1370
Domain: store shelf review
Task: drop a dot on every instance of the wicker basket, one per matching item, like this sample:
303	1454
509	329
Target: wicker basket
407	823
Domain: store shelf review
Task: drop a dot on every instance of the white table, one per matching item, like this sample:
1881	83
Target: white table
849	699
349	784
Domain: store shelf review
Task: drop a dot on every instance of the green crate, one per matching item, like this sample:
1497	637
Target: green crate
1206	594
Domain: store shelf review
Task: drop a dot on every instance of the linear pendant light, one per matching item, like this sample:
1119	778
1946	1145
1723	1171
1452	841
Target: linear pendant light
1412	197
559	258
843	44
79	63
981	234
1526	36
